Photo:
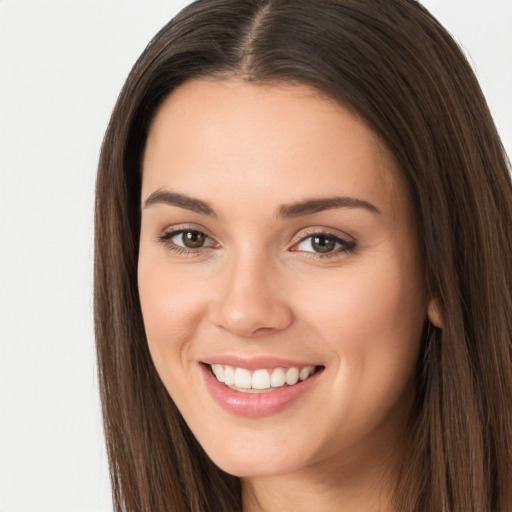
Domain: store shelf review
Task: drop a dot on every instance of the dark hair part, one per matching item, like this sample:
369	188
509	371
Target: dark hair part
393	64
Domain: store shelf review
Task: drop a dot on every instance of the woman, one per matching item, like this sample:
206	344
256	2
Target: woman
303	253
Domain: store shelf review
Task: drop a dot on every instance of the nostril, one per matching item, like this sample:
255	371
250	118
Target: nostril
249	303
251	319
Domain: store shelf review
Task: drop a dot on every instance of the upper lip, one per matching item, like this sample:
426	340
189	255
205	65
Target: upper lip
257	362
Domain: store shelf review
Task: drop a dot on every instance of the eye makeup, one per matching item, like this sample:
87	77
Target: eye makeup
316	243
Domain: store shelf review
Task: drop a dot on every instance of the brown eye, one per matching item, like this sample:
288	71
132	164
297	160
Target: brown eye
323	243
186	239
320	243
191	239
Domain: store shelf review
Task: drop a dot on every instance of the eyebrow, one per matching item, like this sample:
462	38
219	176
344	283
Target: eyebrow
307	207
180	200
311	206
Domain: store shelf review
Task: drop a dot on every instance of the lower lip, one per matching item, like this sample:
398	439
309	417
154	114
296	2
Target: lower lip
255	404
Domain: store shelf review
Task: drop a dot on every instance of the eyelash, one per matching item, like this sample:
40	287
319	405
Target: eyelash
166	239
346	246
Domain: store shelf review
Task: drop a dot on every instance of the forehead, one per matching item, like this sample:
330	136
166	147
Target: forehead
238	140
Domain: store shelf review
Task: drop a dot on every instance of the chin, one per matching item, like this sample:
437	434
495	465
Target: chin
247	461
252	468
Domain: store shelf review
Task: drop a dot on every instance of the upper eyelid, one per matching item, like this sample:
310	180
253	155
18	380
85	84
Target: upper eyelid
317	230
298	237
180	228
165	238
346	245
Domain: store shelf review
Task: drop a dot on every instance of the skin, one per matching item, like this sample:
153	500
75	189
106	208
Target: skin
258	287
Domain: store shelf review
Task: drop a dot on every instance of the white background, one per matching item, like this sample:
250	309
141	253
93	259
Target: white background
62	64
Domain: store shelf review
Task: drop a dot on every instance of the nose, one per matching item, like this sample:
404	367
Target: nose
250	299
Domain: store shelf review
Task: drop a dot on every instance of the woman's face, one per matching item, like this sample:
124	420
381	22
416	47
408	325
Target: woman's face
278	243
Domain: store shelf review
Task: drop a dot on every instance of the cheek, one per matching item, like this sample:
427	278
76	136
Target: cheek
171	307
372	319
381	297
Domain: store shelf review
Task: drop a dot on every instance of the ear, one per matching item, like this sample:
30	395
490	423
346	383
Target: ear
434	313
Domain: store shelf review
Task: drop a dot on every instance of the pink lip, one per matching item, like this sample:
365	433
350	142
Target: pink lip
255	363
256	404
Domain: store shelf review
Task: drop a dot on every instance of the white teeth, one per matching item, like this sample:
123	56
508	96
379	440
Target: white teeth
261	379
306	372
218	371
277	378
292	376
229	375
242	378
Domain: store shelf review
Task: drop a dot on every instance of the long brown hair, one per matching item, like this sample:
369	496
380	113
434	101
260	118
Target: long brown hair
393	64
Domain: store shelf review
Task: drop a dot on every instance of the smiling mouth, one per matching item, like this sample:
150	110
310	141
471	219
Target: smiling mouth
261	380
